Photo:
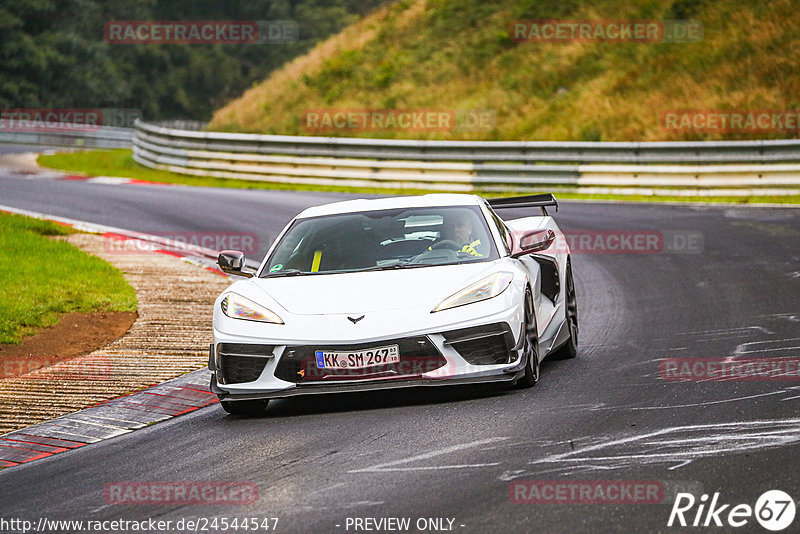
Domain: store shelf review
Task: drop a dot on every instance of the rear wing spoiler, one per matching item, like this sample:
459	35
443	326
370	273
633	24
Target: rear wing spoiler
529	201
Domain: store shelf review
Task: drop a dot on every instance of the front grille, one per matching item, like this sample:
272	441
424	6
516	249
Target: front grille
417	356
483	345
241	362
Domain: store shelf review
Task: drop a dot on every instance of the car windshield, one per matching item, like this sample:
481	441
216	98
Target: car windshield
383	239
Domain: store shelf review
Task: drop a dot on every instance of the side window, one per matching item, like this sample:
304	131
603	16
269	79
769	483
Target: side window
501	227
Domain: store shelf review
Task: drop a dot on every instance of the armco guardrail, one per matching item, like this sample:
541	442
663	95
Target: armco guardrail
462	165
101	137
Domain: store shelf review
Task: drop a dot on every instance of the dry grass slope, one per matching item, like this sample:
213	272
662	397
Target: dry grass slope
457	54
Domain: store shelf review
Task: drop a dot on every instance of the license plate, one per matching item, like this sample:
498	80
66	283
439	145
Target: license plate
357	359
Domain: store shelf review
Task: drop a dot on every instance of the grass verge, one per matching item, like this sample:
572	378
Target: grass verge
41	278
120	163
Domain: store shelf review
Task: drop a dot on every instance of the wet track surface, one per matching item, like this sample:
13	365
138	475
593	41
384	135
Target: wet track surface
452	453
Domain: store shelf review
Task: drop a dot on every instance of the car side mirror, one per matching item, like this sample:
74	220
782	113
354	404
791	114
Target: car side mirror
233	262
533	241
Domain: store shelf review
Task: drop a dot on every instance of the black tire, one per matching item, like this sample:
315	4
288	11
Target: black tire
245	407
530	349
569	349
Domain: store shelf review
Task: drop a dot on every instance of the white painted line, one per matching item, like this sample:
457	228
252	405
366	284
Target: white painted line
792	316
770	350
390	466
693	405
682	464
109	180
741	349
725	330
428	468
719	438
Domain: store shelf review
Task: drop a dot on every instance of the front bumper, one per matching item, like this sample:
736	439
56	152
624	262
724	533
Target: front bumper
479	354
476	343
371	385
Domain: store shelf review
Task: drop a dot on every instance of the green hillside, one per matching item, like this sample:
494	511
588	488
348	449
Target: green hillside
458	55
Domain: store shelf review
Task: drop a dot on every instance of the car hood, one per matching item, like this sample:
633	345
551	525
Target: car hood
353	293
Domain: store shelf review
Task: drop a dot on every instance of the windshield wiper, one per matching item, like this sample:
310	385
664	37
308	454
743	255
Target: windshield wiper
284	273
396	266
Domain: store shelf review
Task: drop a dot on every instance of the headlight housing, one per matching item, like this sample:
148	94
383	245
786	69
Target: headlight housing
483	289
238	307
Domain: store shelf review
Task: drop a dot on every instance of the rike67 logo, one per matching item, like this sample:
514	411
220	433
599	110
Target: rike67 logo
774	510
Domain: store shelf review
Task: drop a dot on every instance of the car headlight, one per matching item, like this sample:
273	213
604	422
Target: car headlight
238	307
484	289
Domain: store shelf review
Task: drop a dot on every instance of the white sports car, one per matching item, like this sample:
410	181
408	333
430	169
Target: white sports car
395	292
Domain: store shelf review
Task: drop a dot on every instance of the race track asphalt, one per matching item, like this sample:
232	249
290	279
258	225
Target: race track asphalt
452	453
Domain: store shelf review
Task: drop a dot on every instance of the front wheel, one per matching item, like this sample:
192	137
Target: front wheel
245	407
530	349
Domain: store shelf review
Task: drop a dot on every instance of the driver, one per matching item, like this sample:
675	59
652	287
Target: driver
458	228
